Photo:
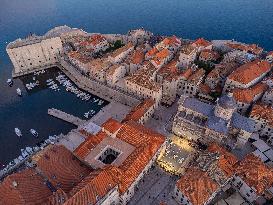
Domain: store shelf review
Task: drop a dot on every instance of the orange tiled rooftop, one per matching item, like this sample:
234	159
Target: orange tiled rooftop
250	71
248	95
24	188
92	141
111	125
202	42
146	143
171	40
227	160
248	48
96	188
263	111
197	75
255	173
197	186
138	111
62	168
137	57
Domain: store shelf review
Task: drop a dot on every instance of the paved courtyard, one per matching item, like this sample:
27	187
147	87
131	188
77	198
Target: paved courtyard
156	187
114	109
162	120
174	157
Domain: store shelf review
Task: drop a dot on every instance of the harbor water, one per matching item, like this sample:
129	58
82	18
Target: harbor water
248	21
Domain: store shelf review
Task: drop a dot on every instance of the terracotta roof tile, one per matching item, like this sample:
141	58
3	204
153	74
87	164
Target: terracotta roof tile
197	186
263	111
253	48
248	95
171	40
90	143
250	71
209	55
24	188
187	73
138	57
255	173
227	160
147	143
111	125
152	52
197	75
204	88
62	169
201	42
138	111
58	197
97	187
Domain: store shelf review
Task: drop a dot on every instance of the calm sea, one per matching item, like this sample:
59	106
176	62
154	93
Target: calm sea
249	21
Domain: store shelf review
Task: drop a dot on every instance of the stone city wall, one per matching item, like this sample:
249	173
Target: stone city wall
102	90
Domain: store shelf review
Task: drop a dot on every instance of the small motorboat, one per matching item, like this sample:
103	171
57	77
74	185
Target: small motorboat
33	132
9	82
86	115
19	92
100	102
29	150
18	132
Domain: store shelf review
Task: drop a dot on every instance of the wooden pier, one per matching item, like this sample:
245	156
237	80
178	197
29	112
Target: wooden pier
65	117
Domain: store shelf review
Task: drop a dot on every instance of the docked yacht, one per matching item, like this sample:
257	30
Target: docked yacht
19	92
18	132
100	102
33	132
86	115
9	82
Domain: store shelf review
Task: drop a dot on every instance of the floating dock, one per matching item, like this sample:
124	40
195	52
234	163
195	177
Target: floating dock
65	117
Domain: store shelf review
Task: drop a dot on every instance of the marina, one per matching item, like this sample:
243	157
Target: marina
37	98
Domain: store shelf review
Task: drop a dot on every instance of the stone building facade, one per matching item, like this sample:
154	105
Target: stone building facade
198	121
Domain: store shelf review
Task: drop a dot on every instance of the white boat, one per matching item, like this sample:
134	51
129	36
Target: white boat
29	150
9	82
96	100
19	92
52	138
86	115
50	83
54	87
33	132
20	158
18	132
24	153
49	80
16	160
100	102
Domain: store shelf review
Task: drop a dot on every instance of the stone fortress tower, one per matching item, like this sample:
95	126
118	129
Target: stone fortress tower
36	52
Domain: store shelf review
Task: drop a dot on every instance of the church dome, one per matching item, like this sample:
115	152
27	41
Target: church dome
227	101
